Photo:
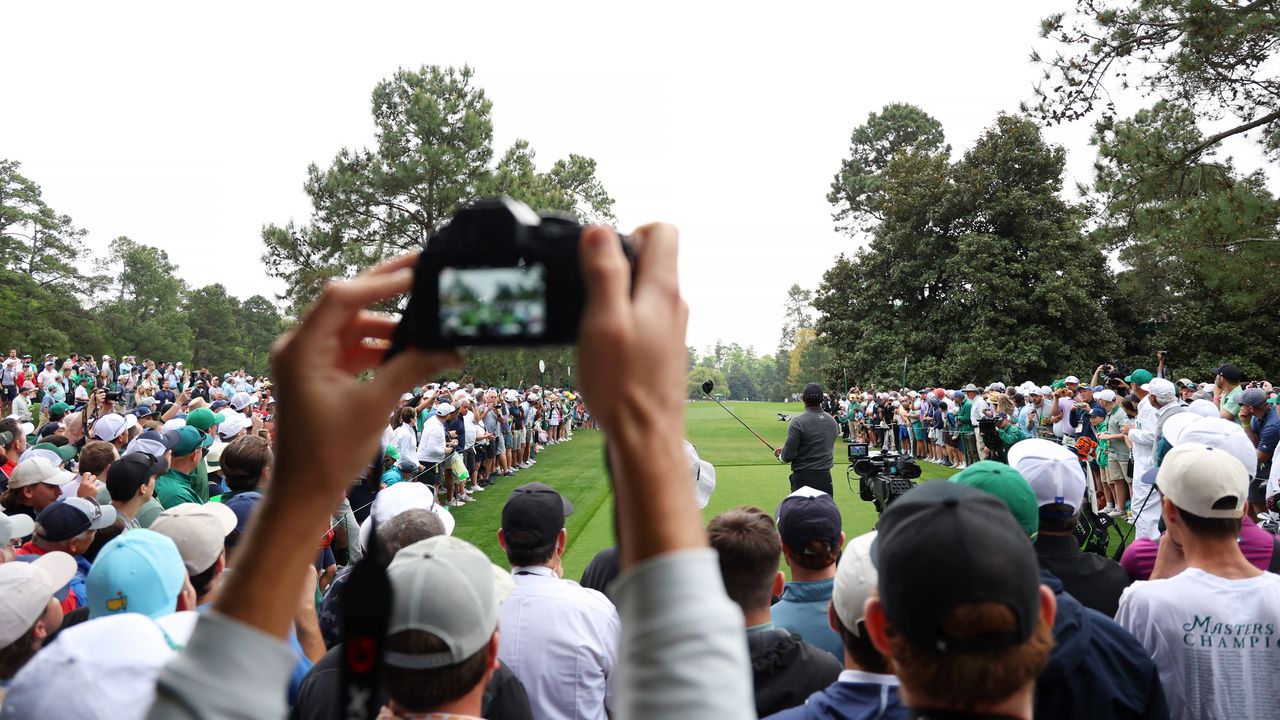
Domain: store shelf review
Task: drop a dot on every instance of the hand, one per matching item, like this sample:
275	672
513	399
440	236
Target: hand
778	453
184	398
88	487
317	363
632	356
1125	430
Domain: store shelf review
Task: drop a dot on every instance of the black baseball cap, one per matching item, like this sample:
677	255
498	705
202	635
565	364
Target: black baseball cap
943	546
1230	372
812	391
808	514
126	475
533	516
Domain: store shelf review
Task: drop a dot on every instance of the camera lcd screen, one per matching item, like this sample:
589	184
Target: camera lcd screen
858	450
493	302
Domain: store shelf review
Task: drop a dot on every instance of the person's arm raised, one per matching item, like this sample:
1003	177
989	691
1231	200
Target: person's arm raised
315	367
681	652
633	360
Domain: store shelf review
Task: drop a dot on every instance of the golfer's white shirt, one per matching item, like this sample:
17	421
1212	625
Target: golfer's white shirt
561	640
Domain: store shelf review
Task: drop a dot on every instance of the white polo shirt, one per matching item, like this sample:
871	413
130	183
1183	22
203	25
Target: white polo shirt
561	640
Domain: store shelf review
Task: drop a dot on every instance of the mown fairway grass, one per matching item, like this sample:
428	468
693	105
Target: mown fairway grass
746	474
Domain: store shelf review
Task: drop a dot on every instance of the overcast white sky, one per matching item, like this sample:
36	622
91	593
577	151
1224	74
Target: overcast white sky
189	126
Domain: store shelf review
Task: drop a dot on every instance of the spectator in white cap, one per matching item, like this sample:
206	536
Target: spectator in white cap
113	428
1211	627
104	668
243	402
866	688
1116	474
1159	400
1055	475
29	612
442	645
200	533
415	537
1258	545
234	425
35	484
13	529
435	444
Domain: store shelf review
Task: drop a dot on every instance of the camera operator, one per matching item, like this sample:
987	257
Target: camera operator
811	439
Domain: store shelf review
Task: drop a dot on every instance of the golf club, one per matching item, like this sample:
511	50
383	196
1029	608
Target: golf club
707	385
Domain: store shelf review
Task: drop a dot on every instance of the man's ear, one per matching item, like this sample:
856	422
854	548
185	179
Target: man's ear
840	544
494	663
502	541
876	623
832	620
779	582
1048	606
562	541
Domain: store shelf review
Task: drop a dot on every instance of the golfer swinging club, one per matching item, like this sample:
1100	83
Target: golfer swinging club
811	435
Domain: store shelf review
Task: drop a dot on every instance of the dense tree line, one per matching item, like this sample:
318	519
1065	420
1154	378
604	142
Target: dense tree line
58	297
977	267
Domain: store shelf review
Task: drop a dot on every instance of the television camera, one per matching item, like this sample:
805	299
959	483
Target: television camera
882	478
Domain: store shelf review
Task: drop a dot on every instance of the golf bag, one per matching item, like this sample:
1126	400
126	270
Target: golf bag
1093	531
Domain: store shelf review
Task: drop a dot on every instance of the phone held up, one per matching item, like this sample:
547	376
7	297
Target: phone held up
498	274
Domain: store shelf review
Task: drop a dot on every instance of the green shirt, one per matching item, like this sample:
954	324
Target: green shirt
176	487
149	511
964	415
201	487
1229	402
1011	434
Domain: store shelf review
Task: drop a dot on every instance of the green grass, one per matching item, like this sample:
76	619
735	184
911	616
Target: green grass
746	474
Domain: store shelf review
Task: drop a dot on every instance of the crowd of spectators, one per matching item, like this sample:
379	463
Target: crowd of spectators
175	553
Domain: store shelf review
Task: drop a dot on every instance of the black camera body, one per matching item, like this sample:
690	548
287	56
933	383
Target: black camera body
884	478
991	438
497	274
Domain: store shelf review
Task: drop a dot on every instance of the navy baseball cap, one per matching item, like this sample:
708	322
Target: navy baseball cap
943	546
808	514
533	516
1000	416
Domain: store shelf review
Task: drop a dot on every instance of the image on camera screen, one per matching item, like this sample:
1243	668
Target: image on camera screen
493	302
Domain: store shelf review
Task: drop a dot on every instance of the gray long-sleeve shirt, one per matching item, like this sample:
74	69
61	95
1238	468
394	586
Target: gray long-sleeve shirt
681	654
811	439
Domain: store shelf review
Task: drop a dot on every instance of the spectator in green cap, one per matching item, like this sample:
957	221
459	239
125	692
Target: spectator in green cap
1007	484
179	484
204	420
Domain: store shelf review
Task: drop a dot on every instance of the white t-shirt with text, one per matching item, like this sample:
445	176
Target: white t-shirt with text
1216	642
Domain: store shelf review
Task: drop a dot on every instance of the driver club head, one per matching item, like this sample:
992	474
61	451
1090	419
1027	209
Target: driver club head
707	385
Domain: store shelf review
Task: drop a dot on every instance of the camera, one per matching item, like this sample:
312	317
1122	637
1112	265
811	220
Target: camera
115	396
991	439
884	478
497	274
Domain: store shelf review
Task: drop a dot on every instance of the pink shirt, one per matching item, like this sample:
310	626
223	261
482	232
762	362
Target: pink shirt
1139	558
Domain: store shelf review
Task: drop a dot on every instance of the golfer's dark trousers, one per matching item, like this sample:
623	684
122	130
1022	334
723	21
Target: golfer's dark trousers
816	479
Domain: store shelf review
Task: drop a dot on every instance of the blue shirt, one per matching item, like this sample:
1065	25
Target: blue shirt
1268	432
803	611
857	695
